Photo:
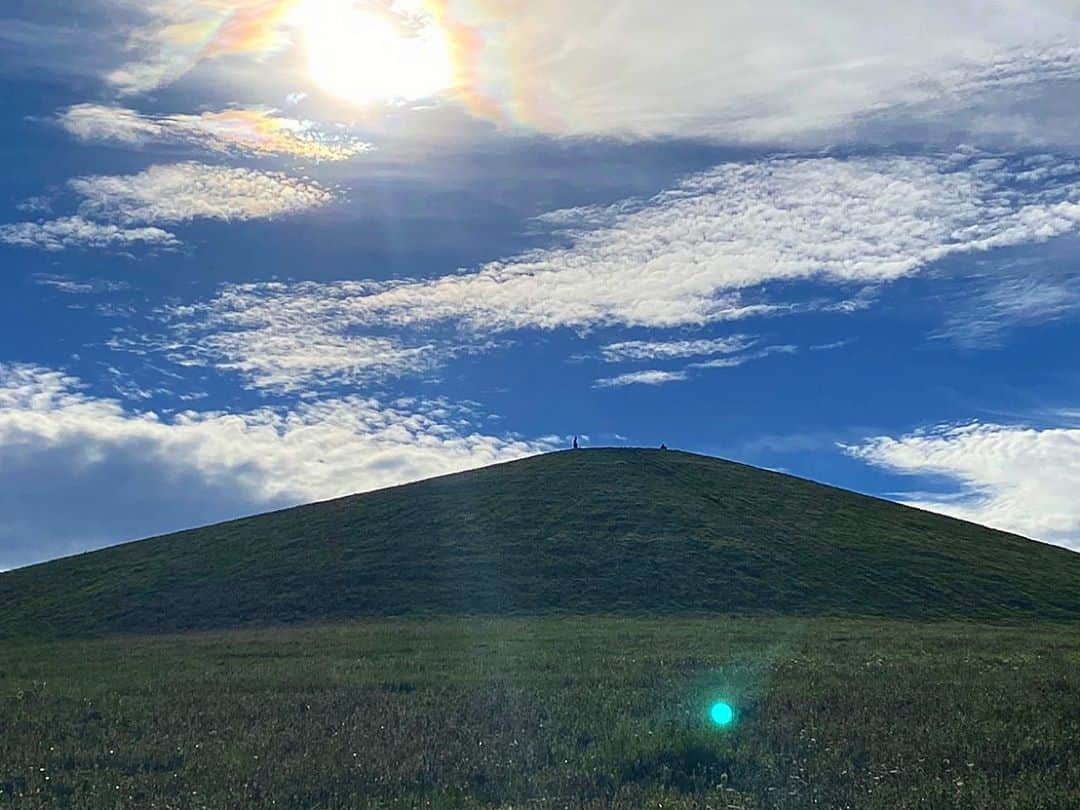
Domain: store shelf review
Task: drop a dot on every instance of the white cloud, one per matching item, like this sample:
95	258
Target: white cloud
35	205
1016	478
179	192
290	337
736	360
179	34
1009	295
773	71
246	131
76	231
685	256
828	347
649	377
72	286
704	251
731	356
728	352
55	438
632	350
1018	98
113	207
96	122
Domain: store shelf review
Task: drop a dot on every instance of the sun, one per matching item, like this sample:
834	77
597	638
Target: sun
364	54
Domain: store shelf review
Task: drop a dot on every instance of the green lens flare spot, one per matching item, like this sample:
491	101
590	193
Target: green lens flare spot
721	713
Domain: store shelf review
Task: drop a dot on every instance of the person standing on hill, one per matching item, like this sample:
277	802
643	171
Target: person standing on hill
575	443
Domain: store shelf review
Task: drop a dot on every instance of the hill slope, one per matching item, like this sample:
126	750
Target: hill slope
593	531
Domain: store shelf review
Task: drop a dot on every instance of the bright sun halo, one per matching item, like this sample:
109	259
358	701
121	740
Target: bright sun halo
364	56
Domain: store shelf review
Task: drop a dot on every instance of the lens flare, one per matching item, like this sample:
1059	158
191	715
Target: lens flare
721	713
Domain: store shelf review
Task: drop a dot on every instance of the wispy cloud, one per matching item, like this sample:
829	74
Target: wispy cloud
1009	295
647	377
56	437
1014	97
72	286
636	350
734	361
733	358
1017	478
126	210
728	352
711	249
246	131
828	347
685	256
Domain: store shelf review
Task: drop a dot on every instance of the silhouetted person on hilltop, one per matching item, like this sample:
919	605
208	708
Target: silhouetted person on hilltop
575	443
663	447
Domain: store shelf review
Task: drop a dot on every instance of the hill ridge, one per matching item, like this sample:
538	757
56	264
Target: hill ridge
598	530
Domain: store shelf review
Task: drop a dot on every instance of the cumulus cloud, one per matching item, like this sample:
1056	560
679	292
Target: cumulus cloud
126	473
245	131
1017	478
648	377
125	210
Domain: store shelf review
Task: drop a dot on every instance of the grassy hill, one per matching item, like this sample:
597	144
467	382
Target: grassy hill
610	531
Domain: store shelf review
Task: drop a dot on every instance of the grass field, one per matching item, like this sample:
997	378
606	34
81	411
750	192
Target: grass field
552	712
532	635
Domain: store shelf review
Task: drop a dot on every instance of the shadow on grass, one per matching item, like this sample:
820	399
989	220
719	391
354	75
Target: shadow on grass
687	770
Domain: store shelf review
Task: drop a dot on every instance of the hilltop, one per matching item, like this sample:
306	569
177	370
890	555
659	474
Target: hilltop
606	531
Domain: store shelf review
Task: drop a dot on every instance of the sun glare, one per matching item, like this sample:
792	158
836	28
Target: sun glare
364	56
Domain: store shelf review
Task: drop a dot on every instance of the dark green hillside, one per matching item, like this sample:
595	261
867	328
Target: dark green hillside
595	531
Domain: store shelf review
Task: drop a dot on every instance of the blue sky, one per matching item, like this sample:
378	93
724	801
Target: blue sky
261	253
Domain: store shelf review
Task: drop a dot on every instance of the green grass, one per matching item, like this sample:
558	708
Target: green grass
631	532
598	712
551	633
